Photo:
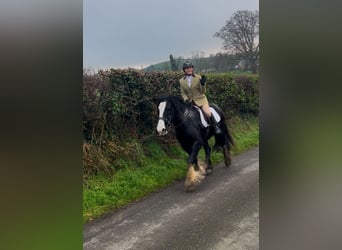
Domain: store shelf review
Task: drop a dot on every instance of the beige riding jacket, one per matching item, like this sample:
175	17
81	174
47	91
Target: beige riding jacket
195	92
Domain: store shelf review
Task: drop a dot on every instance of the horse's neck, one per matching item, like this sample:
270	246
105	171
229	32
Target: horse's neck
179	113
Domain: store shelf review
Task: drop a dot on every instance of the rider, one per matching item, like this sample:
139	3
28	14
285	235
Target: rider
193	88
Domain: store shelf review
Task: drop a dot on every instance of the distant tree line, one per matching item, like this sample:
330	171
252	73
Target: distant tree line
240	37
219	62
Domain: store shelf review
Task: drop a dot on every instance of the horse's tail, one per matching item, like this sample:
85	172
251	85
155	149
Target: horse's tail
225	139
229	139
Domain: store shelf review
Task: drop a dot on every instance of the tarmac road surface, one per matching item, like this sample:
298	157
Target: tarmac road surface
221	213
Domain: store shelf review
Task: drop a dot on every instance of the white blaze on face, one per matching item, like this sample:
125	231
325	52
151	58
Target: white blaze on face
161	124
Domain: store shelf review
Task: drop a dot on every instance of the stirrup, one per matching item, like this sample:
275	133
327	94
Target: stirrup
215	125
217	129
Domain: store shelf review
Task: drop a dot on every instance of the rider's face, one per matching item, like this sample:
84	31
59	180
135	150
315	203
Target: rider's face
189	70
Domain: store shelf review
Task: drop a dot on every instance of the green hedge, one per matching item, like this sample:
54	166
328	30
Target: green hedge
235	94
121	103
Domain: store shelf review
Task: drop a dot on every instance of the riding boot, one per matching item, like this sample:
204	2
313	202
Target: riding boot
214	123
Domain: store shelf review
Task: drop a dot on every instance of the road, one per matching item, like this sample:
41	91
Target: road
221	213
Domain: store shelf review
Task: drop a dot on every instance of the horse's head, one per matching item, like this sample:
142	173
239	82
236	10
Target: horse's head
165	114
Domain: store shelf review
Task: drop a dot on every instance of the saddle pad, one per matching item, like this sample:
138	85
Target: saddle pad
213	112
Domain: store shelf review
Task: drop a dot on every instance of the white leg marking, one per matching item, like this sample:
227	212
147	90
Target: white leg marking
161	124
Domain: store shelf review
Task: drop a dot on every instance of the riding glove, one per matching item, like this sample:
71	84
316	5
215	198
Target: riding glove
203	80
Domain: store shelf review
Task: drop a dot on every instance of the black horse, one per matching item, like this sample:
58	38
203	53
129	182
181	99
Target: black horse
192	135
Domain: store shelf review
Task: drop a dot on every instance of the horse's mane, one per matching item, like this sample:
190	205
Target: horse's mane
173	98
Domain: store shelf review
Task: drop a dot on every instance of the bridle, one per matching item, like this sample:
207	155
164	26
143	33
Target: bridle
168	122
165	120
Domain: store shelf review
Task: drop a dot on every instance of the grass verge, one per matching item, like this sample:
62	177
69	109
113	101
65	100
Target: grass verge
156	169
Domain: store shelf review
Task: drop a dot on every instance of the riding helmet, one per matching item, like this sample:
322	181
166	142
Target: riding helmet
187	64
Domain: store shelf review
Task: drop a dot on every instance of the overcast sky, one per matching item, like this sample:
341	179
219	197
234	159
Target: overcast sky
138	33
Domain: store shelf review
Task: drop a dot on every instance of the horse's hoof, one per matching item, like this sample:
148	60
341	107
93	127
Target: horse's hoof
189	189
228	162
208	171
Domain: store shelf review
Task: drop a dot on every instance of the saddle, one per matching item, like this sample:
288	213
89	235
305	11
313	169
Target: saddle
204	119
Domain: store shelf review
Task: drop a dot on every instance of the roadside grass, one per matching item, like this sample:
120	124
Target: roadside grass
245	131
156	169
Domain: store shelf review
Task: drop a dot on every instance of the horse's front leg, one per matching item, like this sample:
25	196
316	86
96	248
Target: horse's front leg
192	160
193	176
209	167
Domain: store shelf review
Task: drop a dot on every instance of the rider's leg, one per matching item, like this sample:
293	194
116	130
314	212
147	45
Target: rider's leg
212	120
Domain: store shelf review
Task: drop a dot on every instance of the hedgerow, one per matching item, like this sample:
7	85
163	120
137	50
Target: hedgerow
120	104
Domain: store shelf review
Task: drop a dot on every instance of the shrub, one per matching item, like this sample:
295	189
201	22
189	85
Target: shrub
120	104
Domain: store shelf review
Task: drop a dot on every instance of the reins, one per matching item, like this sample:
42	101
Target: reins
166	121
180	124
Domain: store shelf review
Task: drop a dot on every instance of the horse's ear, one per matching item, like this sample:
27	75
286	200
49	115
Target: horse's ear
155	100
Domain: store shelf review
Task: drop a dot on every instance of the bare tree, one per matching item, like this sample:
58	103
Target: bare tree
175	63
241	36
197	58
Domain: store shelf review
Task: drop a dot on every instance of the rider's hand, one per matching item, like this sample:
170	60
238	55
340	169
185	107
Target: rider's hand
203	80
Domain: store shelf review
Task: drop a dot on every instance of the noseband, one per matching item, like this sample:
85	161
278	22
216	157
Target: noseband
165	120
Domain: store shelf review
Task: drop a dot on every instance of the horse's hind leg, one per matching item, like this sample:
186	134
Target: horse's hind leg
227	156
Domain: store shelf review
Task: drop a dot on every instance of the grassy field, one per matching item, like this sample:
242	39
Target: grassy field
156	169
